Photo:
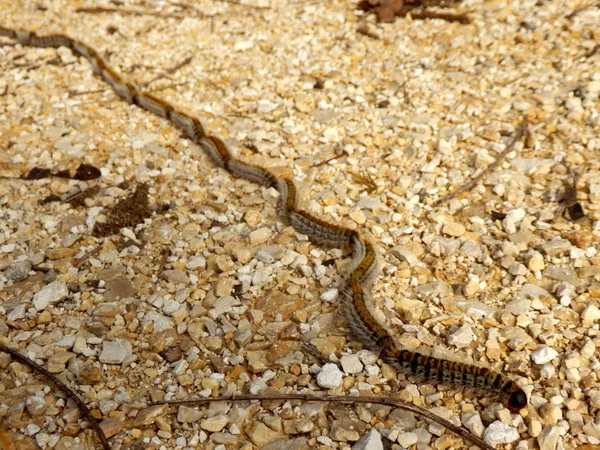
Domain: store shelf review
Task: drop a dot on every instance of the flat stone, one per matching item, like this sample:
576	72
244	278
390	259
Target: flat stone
499	433
260	236
536	262
18	271
214	424
407	439
147	416
115	352
556	247
472	421
50	294
454	229
112	426
330	377
543	355
260	434
370	441
118	288
548	438
351	364
462	337
340	432
590	314
185	414
300	443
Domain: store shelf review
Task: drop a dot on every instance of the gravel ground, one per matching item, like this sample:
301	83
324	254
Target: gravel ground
210	294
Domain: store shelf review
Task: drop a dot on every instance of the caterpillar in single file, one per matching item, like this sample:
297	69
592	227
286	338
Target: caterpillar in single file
355	298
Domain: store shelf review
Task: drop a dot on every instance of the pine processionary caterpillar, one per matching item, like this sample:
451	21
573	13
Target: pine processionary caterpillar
361	321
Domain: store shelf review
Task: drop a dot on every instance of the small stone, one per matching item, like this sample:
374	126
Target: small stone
50	294
351	364
17	313
518	306
462	337
176	276
196	262
550	413
556	247
18	271
148	416
548	438
118	288
330	295
472	421
358	216
454	229
340	432
370	441
407	439
260	236
543	355
115	352
111	426
590	314
56	363
260	434
36	405
185	414
90	373
500	433
536	262
214	424
330	377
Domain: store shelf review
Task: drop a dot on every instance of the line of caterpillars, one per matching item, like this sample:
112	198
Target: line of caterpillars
353	290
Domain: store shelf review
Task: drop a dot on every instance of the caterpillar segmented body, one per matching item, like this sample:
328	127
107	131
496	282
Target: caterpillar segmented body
361	321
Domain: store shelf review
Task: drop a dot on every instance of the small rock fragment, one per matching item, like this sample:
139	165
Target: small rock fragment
330	377
500	433
50	294
115	352
18	270
370	441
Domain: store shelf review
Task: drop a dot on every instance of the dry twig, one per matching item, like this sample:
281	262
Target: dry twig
340	399
131	12
82	407
582	8
521	131
167	72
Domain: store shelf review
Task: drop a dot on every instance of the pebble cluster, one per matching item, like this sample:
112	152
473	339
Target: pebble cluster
211	294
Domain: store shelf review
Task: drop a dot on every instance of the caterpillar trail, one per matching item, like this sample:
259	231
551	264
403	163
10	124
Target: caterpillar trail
353	290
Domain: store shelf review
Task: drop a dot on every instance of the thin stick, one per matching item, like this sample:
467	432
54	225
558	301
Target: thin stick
582	8
168	71
340	399
82	407
131	12
84	258
521	131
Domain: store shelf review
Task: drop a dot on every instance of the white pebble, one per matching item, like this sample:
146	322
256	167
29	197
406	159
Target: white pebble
330	377
543	355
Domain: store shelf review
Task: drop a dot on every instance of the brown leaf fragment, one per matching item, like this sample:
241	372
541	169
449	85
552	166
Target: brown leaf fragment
37	173
127	212
84	172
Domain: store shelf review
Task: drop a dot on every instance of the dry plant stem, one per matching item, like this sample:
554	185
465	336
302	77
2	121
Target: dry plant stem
84	409
339	399
448	17
168	72
582	8
521	131
131	12
84	258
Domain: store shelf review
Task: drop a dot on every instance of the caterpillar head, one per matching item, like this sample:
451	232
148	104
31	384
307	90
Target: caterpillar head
517	401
